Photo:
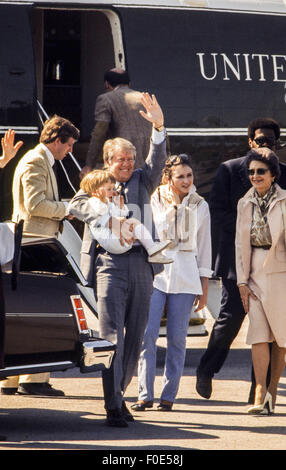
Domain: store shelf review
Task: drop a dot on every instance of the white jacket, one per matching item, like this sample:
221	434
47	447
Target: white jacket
183	275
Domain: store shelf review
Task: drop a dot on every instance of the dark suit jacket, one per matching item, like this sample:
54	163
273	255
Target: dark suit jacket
2	322
119	108
230	184
139	189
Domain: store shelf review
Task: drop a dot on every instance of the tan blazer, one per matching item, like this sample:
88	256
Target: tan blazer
35	194
275	261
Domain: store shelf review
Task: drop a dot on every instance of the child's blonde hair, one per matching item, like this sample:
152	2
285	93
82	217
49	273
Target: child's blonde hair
94	180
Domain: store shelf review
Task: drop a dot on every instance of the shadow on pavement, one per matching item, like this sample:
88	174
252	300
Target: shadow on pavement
66	430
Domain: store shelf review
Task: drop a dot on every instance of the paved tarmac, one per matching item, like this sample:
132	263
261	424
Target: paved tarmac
76	421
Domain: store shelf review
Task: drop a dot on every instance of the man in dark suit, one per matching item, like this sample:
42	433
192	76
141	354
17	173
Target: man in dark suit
230	184
9	149
124	283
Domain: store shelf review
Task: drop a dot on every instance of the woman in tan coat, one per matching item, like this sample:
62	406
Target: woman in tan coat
261	273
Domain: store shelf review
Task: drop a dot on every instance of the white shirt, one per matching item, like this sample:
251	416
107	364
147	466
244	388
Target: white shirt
7	242
49	154
104	236
100	208
183	275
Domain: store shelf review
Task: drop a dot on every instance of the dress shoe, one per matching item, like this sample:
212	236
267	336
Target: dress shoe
165	406
141	405
266	408
8	390
116	419
43	389
204	385
126	413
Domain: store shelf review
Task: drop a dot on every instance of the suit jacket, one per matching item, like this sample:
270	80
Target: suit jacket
120	109
2	322
35	194
139	188
275	261
230	184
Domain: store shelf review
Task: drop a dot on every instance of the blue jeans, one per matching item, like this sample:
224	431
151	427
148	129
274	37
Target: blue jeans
178	315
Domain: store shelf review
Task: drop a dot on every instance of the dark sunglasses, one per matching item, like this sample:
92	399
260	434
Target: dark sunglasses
258	171
270	141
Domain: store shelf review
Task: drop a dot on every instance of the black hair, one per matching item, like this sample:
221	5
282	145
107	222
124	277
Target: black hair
116	78
266	156
263	123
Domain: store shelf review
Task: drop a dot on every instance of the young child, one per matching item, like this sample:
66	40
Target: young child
104	200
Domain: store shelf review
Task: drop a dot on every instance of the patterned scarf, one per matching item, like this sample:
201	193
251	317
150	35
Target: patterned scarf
260	232
265	201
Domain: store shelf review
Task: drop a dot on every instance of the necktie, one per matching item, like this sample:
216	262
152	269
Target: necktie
121	191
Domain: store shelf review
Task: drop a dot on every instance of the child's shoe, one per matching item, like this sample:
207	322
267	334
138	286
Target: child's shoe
160	258
155	253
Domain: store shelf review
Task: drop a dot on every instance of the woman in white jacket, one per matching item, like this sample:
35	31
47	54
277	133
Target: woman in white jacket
181	215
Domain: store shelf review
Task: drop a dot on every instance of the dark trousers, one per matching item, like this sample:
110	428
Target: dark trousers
225	329
2	322
124	284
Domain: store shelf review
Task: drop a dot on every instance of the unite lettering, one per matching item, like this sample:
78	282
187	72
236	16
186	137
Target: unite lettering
242	66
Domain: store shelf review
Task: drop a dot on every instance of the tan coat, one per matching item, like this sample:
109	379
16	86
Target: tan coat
275	261
274	265
35	194
36	201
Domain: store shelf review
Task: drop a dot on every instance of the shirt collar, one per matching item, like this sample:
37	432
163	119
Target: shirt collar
48	153
119	184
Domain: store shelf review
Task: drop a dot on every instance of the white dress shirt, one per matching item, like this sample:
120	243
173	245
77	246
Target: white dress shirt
183	275
104	236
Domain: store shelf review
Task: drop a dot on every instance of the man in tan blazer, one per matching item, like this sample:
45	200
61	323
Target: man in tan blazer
36	201
117	115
